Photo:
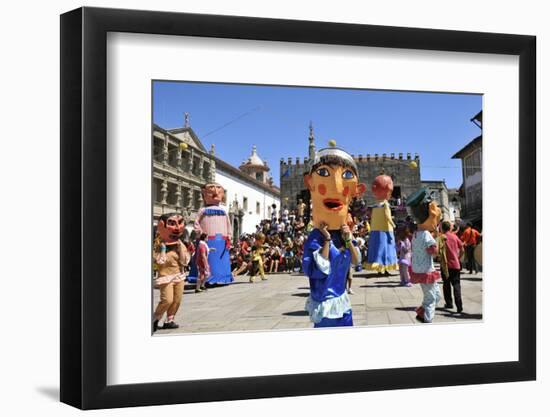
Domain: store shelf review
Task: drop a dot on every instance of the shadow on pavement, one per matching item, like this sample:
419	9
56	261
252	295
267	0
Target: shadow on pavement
465	316
298	313
405	308
390	284
470	279
300	294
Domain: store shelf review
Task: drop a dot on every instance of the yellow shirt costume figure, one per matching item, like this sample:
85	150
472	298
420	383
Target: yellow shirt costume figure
381	254
330	249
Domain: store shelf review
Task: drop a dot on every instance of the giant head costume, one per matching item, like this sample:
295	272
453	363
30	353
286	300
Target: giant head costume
382	187
425	211
171	227
333	183
212	194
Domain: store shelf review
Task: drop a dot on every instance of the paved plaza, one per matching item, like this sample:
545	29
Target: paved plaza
278	303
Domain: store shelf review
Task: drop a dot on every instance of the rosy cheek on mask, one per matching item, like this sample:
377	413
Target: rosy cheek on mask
345	193
322	189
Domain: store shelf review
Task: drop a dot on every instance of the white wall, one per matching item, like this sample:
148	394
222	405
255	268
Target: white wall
30	94
236	186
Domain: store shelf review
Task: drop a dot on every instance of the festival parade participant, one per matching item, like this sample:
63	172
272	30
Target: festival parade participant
427	215
214	221
329	249
170	256
381	253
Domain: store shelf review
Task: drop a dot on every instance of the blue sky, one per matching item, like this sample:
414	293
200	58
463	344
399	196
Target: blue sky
276	119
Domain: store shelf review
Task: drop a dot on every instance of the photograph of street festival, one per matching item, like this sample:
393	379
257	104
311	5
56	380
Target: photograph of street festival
284	208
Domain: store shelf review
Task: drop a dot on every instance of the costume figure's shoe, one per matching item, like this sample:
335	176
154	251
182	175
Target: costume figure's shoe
170	325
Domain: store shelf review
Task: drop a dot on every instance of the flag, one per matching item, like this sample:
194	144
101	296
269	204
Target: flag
287	172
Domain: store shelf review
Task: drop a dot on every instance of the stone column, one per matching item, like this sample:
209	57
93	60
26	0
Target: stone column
164	192
165	152
178	159
178	198
190	198
191	159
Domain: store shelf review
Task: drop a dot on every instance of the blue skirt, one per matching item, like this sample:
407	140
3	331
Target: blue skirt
220	264
381	254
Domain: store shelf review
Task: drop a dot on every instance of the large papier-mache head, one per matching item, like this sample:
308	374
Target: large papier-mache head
425	210
382	187
333	182
212	194
171	227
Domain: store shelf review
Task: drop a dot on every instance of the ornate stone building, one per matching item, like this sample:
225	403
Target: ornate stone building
182	165
404	169
440	194
471	189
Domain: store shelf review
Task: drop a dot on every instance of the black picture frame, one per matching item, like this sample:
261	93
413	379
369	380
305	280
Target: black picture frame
84	207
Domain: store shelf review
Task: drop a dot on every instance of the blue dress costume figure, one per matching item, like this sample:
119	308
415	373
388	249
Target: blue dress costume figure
381	252
214	221
328	304
329	250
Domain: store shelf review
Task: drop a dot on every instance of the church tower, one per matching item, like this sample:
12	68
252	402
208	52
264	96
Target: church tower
311	143
255	167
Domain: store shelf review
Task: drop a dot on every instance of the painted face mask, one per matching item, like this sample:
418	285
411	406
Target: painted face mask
424	210
213	194
434	216
333	183
171	227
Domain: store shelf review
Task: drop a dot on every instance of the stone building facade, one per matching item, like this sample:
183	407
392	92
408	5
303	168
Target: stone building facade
472	190
182	166
440	194
405	175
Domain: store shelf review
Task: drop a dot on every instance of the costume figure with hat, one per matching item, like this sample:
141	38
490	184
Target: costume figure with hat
213	220
424	247
381	254
170	256
330	249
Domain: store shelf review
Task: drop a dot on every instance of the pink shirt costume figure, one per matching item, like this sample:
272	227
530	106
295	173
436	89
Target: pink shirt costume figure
213	220
427	215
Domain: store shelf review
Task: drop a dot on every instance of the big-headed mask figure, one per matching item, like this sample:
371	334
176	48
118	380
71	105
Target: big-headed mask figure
213	194
333	183
426	211
382	187
171	227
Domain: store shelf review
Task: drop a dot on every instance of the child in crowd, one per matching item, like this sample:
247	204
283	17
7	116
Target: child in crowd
404	254
424	246
289	261
201	259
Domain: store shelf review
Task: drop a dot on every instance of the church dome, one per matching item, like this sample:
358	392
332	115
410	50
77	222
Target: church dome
254	162
254	159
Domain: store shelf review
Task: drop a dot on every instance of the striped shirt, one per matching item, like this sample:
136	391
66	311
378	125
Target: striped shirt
212	220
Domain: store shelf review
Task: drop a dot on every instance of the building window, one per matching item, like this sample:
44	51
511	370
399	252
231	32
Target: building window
185	192
245	203
173	156
156	190
172	197
257	207
158	149
259	176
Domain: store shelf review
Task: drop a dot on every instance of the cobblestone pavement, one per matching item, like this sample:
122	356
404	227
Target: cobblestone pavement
278	303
